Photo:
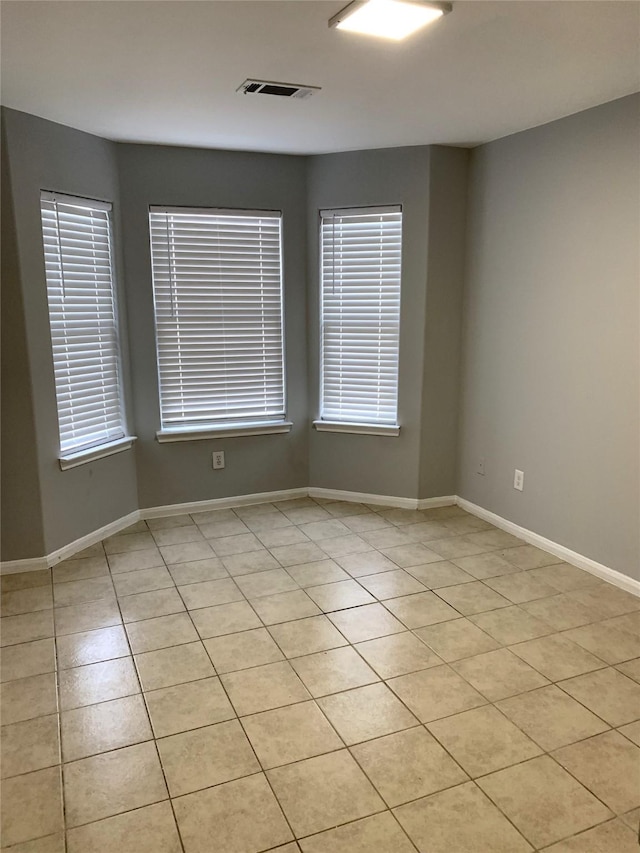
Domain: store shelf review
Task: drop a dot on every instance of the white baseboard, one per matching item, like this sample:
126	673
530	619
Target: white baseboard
361	498
598	569
432	503
222	503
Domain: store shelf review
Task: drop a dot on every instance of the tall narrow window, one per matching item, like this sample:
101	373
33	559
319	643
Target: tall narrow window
217	286
84	326
360	319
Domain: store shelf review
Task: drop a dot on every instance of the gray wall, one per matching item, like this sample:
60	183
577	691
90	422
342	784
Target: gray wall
364	463
156	175
551	348
43	155
448	171
21	510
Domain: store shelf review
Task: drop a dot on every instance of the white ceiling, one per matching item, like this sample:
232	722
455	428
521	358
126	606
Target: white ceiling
166	72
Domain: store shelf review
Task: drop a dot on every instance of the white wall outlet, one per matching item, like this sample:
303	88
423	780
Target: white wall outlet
480	468
518	480
218	459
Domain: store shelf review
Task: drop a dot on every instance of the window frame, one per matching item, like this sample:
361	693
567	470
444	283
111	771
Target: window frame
80	454
322	424
232	426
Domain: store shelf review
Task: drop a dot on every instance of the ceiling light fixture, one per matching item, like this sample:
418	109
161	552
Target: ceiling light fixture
391	19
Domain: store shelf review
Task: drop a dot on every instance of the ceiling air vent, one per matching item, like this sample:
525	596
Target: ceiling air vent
282	90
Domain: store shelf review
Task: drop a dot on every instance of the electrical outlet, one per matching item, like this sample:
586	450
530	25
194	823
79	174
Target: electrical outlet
218	459
480	468
518	480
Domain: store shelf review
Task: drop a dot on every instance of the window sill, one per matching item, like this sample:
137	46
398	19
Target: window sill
72	460
229	431
357	429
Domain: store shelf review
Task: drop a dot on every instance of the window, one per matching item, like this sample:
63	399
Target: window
217	287
360	319
84	326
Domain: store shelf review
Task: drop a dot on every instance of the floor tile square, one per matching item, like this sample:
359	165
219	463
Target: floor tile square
520	587
250	563
31	806
327	529
397	654
198	571
460	819
28	698
379	832
103	727
342	546
317	574
175	665
510	625
631	668
187	552
161	632
264	688
387	537
284	607
427	531
220	529
240	544
306	514
19	601
556	657
135	561
366	623
86	617
112	782
26	580
296	555
366	713
609	766
391	584
75	570
436	575
435	693
338	596
606	600
610	836
320	793
97	682
27	659
79	592
242	651
494	539
456	639
455	547
550	717
367	563
560	611
306	636
92	647
483	740
266	583
606	642
127	541
224	619
415	554
529	557
425	608
499	674
210	593
188	706
407	765
26	627
144	580
334	670
482	566
151	829
29	745
629	623
608	693
147	605
205	757
238	817
178	535
469	598
290	734
280	536
631	731
544	802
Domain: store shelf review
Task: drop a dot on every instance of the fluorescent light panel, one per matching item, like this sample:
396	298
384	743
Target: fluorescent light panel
391	19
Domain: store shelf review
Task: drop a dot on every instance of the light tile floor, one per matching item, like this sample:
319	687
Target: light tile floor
323	677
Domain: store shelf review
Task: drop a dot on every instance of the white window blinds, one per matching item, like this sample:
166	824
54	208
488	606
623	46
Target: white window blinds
83	319
360	314
218	302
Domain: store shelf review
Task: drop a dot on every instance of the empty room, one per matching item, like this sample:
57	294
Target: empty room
320	426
